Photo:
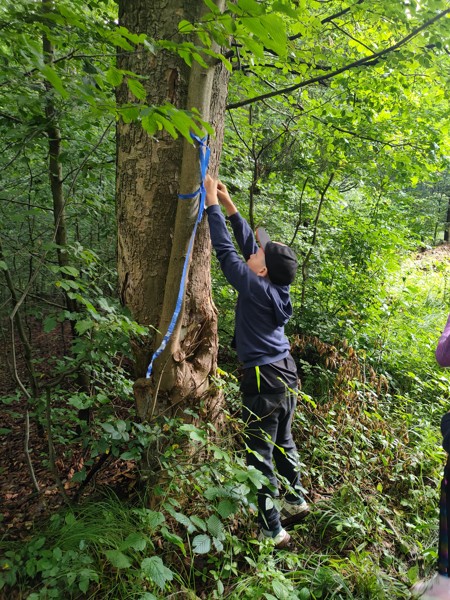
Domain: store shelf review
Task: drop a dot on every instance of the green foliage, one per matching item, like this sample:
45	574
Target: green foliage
336	111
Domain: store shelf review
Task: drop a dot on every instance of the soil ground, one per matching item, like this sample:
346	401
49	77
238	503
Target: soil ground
20	503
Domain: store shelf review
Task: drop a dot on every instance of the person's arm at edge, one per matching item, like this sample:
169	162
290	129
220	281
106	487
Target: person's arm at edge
443	347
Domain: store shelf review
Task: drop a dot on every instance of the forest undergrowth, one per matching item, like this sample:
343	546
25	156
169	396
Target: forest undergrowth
367	432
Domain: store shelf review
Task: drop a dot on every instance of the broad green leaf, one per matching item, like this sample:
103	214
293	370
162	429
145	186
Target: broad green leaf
134	540
215	527
156	571
226	507
201	544
49	324
251	6
52	76
118	559
271	32
114	76
69	271
136	88
185	26
173	539
198	522
83	326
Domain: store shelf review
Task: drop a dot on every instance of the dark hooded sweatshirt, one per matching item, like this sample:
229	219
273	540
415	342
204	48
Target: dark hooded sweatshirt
262	310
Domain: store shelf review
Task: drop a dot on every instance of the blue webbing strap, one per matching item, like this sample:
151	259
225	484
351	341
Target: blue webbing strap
204	152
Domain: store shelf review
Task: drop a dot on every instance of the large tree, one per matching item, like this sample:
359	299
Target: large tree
154	225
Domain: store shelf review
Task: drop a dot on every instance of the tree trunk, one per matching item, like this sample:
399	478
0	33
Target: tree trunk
154	226
447	223
57	189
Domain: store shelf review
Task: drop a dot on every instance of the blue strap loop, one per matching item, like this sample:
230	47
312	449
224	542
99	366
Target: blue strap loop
204	152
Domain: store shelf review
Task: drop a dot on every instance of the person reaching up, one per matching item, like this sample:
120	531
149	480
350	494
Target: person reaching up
269	382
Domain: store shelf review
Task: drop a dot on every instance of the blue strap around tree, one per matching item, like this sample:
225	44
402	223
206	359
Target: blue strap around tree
204	152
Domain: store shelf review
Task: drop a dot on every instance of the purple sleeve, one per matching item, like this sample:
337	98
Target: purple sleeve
443	347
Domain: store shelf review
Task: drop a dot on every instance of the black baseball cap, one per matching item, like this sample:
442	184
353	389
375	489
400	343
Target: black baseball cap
281	261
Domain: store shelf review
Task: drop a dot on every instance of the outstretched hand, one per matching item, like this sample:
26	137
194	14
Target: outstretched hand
211	191
225	199
216	192
222	193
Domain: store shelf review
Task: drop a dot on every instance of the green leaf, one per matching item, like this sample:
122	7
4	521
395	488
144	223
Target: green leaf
185	26
201	544
129	113
251	6
281	591
150	124
83	326
118	559
156	571
226	508
134	540
271	31
183	519
215	527
151	518
5	431
70	271
137	89
174	539
3	266
51	75
79	475
49	324
200	523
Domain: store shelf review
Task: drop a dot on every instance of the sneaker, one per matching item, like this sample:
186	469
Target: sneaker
280	541
436	588
291	513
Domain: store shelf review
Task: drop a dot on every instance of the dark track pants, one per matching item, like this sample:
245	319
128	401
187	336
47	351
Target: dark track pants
268	420
444	515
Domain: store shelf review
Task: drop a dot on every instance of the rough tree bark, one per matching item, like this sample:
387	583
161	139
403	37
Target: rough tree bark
154	226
